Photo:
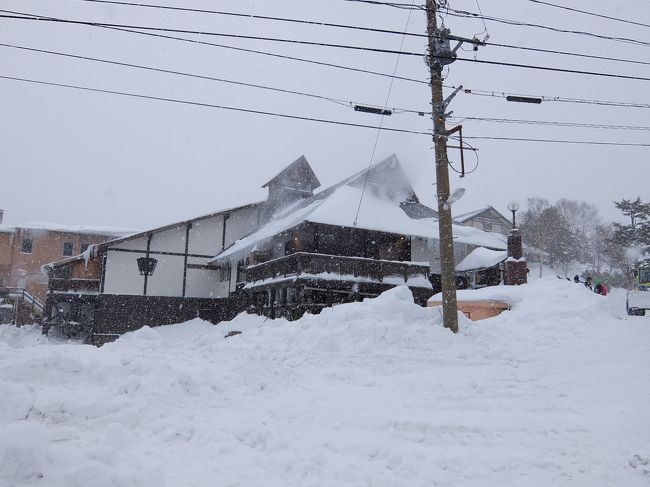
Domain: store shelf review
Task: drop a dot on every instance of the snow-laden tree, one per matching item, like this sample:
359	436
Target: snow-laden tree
597	257
583	220
548	236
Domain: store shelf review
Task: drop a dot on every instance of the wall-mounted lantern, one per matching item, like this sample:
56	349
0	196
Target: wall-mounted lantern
146	265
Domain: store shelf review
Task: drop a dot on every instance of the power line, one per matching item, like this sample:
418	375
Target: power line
405	6
559	99
553	123
297	117
259	17
240	49
565	53
550	68
23	16
209	105
466	14
338	101
559	141
594	14
216	34
355	27
476	92
481	16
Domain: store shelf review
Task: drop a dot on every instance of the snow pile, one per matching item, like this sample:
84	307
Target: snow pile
481	258
553	392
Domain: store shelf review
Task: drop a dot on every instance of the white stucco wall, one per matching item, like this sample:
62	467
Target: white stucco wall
206	235
172	240
167	280
121	274
205	238
139	243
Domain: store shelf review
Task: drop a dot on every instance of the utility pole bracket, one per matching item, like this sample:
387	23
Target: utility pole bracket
441	109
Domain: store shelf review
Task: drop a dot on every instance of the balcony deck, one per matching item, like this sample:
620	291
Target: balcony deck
324	267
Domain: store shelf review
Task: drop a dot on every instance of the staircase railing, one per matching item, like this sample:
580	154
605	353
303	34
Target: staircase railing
17	293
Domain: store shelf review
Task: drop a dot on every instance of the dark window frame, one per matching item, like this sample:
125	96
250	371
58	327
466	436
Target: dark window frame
68	249
27	246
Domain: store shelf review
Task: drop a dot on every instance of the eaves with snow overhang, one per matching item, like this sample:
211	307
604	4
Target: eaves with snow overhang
379	193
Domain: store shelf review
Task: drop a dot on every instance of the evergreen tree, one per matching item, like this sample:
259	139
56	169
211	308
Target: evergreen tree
637	233
630	243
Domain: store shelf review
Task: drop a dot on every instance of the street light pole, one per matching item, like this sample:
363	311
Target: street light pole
513	206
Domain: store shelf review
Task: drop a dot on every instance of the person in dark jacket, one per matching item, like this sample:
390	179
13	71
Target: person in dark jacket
588	283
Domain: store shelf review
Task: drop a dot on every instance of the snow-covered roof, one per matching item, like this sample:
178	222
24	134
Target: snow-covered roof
59	227
462	218
481	258
380	210
466	216
142	233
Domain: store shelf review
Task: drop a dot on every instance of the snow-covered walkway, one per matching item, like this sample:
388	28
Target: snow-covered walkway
554	392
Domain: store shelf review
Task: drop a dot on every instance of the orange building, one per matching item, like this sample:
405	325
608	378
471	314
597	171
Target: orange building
25	248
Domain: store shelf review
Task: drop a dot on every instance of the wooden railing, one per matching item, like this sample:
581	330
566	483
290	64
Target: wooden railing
73	285
314	264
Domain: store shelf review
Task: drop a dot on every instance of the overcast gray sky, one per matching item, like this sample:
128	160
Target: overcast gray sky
87	158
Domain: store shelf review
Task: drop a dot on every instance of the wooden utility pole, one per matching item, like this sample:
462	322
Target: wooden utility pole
448	268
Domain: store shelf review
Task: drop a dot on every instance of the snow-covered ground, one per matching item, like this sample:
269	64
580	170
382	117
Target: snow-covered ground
554	392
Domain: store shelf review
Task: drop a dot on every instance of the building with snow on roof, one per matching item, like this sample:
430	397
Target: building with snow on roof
295	252
488	219
353	240
26	247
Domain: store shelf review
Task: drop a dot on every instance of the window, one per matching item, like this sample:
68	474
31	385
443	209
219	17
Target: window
487	226
28	243
84	247
68	248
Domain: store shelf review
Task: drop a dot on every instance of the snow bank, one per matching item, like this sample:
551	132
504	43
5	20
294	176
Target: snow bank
378	393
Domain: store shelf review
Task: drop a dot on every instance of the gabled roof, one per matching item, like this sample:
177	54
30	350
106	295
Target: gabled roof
299	166
378	193
96	247
481	212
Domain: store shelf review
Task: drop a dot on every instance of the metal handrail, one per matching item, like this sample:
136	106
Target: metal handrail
28	297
